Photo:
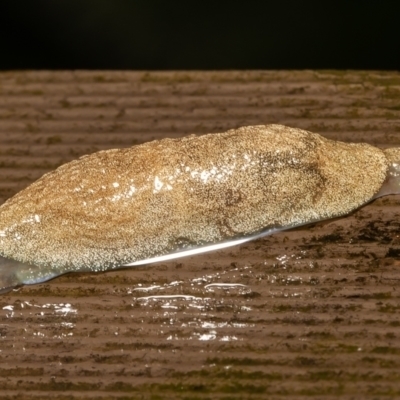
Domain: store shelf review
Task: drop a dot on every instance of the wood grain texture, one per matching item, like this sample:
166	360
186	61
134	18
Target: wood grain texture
312	312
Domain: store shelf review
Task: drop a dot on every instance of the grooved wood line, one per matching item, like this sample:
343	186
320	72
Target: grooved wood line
312	312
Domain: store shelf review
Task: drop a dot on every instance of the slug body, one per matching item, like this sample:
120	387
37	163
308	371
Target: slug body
169	198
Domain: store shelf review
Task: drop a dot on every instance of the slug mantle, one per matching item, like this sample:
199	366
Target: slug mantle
169	197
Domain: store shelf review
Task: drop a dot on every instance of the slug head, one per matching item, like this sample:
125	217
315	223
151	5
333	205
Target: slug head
392	181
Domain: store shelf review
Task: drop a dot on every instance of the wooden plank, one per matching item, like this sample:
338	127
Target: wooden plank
309	312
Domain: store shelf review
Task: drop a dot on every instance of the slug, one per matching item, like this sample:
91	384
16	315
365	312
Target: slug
176	197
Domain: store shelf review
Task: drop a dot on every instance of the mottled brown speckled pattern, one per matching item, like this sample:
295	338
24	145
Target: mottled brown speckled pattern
119	206
309	313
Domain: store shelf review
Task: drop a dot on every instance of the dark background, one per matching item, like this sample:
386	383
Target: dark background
129	34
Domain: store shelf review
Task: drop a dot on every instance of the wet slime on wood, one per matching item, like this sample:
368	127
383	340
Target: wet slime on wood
175	197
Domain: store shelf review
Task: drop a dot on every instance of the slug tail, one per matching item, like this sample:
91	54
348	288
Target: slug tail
14	274
392	181
9	279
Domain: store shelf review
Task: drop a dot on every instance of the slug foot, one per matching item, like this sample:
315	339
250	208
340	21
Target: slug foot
14	274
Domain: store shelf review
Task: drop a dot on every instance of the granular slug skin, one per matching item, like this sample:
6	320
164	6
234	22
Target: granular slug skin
175	197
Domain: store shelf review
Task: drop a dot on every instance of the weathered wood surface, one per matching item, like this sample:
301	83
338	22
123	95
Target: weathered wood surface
307	313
